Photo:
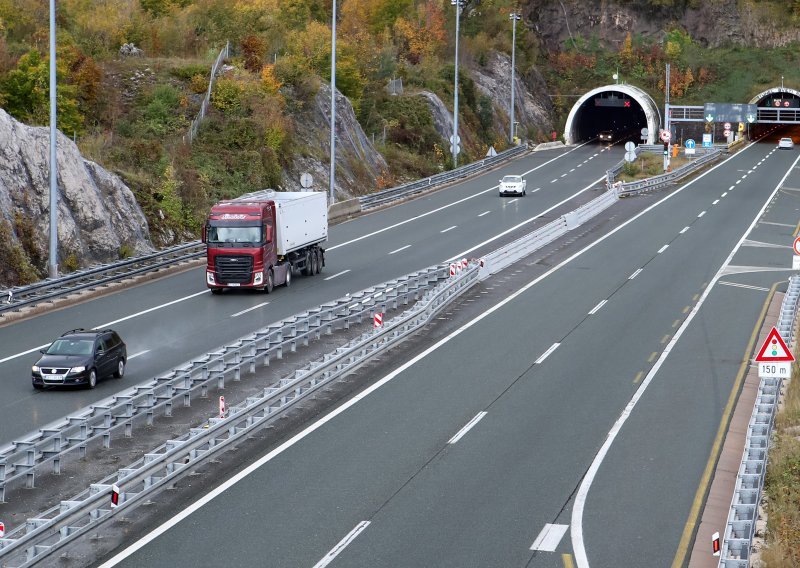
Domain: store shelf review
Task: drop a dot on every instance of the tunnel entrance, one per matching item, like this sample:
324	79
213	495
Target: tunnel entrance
622	110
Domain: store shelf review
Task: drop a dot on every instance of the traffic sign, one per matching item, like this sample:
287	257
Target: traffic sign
455	149
377	320
645	131
796	245
727	133
707	141
727	126
665	135
630	156
774	349
690	144
709	118
630	146
751	118
306	180
455	139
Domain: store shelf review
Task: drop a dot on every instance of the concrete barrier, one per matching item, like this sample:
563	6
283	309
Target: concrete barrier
548	145
343	209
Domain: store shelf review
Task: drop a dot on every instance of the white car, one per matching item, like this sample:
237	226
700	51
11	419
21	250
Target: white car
512	185
786	143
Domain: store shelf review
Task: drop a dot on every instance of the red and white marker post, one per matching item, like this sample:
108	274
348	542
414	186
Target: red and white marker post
452	270
222	408
715	548
2	529
114	496
377	320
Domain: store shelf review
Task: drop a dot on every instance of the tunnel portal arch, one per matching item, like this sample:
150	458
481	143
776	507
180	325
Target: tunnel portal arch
766	95
575	129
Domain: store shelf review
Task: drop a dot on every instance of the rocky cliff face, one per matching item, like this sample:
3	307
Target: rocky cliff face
358	164
97	214
713	24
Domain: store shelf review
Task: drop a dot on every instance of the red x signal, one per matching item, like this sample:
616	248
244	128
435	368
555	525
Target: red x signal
627	104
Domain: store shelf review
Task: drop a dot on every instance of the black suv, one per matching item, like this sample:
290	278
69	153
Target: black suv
80	357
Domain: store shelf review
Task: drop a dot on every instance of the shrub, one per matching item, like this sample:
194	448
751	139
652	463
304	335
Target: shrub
227	95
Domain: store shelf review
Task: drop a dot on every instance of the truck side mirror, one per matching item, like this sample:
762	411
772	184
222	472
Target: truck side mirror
203	231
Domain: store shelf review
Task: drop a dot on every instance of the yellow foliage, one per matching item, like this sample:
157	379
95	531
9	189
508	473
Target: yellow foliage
673	50
269	80
626	53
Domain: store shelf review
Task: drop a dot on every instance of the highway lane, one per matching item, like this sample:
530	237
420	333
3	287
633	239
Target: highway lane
483	500
175	319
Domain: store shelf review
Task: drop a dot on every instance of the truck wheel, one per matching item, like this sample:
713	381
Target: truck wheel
314	265
307	265
288	281
270	282
216	290
318	256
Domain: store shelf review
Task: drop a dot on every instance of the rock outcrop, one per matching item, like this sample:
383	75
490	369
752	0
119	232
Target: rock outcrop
712	24
358	164
97	213
442	116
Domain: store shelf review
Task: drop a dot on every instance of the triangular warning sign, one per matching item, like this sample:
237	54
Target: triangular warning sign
774	349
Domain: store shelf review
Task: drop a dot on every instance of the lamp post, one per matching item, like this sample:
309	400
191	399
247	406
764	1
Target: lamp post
53	252
514	17
454	140
333	107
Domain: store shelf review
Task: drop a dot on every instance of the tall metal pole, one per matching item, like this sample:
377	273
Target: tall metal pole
455	141
333	107
53	260
666	123
514	17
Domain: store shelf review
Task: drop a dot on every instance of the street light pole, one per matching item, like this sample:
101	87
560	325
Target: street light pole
333	107
513	17
455	140
53	260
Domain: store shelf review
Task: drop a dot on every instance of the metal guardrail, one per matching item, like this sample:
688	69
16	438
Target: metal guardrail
40	537
380	198
13	299
507	255
22	459
195	126
743	514
657	182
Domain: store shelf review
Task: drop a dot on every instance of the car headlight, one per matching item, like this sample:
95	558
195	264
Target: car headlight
75	370
35	368
210	277
259	278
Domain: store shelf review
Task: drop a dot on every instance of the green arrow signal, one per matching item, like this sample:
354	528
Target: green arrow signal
709	118
751	118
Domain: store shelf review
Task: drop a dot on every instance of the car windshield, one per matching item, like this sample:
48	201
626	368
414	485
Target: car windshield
234	234
71	347
786	139
512	179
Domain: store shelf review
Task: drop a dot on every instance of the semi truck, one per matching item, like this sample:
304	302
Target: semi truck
262	239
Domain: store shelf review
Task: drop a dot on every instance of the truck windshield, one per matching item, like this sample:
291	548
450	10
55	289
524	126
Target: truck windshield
250	235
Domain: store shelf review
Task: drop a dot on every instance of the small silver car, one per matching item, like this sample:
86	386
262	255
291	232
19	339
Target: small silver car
787	143
512	185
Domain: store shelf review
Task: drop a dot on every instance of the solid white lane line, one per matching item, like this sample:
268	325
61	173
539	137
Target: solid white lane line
336	550
535	190
548	539
338	274
512	200
576	524
478	417
662	249
458	201
715	202
737	285
635	274
701	214
29	351
546	354
525	222
400	249
153	309
139	354
213	494
684	230
596	309
261	305
484	213
448	229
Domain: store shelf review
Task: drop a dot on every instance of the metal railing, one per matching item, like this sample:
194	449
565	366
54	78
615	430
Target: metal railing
386	196
42	536
741	524
20	460
195	126
12	299
657	182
